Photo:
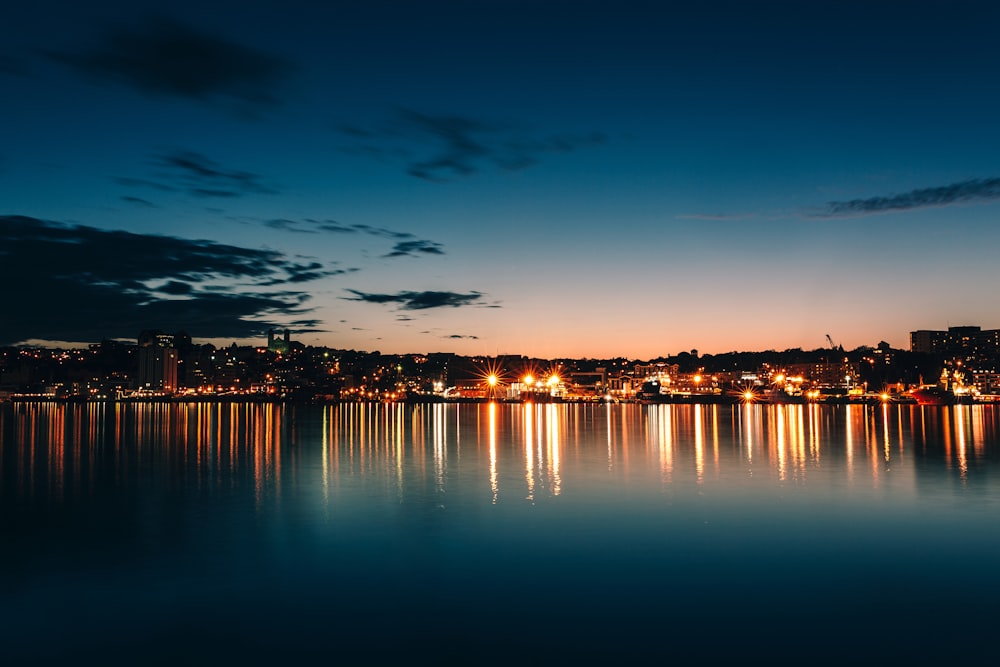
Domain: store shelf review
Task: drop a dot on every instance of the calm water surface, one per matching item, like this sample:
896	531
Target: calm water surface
497	534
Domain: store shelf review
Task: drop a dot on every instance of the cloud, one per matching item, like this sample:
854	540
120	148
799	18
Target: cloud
175	287
461	337
166	57
412	248
420	300
139	201
407	245
196	175
288	226
380	231
341	272
986	189
79	283
144	183
440	147
203	177
313	226
301	273
714	217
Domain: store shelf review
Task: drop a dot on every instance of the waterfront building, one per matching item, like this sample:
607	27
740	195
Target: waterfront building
589	383
661	372
965	342
986	381
157	359
826	374
621	387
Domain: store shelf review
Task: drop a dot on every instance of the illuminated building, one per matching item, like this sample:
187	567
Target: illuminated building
959	342
157	369
279	345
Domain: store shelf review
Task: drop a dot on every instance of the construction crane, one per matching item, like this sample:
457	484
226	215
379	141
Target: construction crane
830	340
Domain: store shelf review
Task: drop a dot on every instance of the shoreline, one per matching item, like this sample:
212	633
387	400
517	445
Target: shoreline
679	399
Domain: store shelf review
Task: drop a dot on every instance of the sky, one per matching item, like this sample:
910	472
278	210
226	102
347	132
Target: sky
498	177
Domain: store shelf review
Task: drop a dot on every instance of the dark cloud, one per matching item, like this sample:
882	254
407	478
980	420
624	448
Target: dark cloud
196	175
407	245
144	183
460	143
437	148
174	287
203	177
313	226
461	337
966	191
139	201
381	231
301	273
412	248
293	226
420	300
298	324
79	283
166	57
714	217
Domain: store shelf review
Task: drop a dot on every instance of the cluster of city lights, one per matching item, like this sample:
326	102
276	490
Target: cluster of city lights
493	378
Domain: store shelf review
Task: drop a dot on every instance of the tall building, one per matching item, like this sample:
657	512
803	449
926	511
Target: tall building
157	362
962	342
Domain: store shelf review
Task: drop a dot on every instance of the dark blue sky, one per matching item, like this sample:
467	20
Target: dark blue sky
491	177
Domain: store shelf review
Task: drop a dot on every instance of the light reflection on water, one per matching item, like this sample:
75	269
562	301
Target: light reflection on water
51	451
605	520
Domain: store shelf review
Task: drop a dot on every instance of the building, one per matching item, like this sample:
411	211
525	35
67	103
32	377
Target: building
157	357
965	342
589	383
659	371
279	345
826	374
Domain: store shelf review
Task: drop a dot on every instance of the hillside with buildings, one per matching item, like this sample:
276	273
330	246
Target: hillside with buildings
161	365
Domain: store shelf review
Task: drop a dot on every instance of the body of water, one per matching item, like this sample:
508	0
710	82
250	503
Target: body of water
497	534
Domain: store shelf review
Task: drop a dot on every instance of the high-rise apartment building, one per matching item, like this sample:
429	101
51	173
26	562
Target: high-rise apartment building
962	342
157	369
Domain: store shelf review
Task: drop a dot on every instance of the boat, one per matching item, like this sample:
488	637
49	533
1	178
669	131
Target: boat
650	392
933	395
782	397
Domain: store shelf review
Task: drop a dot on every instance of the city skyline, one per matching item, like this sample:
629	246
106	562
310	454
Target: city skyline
279	339
498	177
